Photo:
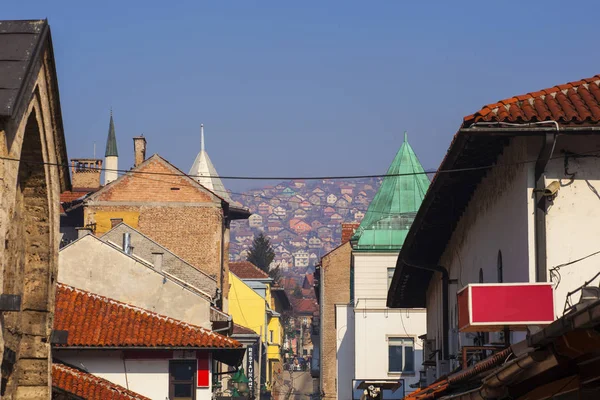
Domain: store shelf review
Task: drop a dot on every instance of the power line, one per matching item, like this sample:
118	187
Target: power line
284	178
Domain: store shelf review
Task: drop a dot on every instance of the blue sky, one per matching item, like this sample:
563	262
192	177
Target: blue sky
301	88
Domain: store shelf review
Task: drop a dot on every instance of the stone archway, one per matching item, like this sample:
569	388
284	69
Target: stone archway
29	272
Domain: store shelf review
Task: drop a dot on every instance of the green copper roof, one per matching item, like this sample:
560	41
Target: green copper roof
111	142
395	205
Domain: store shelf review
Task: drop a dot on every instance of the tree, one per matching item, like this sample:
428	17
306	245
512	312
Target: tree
261	253
275	274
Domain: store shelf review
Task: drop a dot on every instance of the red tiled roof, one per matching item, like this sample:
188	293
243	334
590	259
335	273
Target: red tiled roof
574	102
247	270
89	386
242	330
305	306
98	321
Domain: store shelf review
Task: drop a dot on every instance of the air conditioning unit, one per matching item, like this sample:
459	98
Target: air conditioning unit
429	353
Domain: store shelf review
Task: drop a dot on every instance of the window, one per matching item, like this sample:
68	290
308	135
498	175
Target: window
181	379
271	336
390	276
401	355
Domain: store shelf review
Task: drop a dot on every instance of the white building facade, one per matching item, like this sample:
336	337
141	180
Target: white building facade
530	218
385	345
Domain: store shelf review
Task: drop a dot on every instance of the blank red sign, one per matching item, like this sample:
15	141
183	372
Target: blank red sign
512	304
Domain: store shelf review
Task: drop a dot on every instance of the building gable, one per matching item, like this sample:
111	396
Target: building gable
155	180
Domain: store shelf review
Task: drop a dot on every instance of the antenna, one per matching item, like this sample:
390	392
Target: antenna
94	150
201	137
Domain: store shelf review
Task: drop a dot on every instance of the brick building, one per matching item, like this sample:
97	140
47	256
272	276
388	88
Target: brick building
31	134
172	209
332	286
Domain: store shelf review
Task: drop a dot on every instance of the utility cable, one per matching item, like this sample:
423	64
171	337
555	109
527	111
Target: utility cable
284	178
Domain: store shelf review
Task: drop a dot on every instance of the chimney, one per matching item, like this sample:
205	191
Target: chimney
85	173
83	231
348	229
139	150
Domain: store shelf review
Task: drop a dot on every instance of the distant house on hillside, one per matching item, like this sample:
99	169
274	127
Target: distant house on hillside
347	197
315	200
288	192
328	212
279	211
315	243
273	218
275	226
301	259
300	214
324	232
336	218
301	227
298	241
358	216
342	206
346	189
286	234
255	221
274	201
265	208
318	191
299	183
316	224
280	186
331	198
306	205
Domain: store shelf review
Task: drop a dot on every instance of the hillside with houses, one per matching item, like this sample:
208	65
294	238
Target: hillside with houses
303	219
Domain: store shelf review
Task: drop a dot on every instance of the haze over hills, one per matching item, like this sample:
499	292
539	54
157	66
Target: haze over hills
301	218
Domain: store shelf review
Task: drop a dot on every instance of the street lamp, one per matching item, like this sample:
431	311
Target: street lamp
240	381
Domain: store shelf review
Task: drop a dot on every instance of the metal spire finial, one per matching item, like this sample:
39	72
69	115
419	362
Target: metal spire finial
405	136
201	137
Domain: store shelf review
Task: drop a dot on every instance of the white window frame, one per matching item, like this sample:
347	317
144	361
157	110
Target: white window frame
397	339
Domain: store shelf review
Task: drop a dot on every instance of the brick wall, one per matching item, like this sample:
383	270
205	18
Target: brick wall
146	249
335	289
172	210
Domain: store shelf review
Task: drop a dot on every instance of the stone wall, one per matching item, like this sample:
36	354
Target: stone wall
29	235
335	289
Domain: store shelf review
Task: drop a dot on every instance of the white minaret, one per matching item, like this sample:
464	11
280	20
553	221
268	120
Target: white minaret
205	173
111	156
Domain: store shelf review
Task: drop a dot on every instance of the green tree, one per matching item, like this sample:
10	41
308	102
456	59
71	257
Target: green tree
261	253
275	274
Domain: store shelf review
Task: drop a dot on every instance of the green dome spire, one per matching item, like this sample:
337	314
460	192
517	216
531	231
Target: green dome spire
395	205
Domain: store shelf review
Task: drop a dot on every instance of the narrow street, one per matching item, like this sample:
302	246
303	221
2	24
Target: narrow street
302	386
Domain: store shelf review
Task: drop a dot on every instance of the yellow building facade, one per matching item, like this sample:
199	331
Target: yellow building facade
252	305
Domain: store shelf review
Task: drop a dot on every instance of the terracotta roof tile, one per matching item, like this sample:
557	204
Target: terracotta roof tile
573	102
247	270
305	306
242	330
97	321
88	386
